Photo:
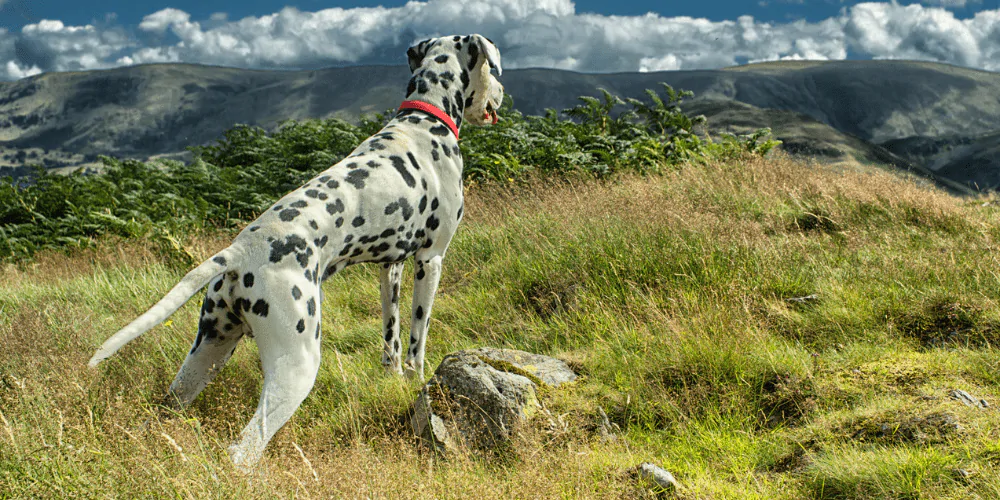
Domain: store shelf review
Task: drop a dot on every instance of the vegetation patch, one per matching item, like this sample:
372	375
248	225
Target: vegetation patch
785	400
947	323
899	427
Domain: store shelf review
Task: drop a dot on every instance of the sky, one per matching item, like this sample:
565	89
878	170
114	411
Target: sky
587	35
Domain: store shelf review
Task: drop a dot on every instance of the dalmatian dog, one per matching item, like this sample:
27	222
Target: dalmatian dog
397	195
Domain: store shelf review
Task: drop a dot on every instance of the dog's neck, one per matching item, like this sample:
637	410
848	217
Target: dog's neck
442	85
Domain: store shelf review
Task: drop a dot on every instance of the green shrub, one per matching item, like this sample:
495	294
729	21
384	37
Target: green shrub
248	168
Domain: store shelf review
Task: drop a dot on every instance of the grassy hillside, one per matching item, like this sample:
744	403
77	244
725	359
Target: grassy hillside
679	296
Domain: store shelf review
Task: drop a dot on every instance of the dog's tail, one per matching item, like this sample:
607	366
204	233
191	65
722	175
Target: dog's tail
172	301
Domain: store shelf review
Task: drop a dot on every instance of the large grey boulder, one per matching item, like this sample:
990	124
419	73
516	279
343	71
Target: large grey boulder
479	397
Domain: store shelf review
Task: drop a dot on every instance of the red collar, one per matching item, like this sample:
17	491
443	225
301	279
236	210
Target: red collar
433	111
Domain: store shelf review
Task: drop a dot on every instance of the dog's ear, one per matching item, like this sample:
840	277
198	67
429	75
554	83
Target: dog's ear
490	51
415	54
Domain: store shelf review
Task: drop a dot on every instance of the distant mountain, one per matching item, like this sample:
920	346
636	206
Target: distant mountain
938	120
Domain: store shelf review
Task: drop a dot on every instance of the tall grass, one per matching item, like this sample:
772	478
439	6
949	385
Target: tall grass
760	328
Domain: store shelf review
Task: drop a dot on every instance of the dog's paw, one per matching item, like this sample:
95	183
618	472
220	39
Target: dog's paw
243	462
414	373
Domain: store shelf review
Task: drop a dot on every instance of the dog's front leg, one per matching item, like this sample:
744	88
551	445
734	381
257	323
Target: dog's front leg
425	283
390	279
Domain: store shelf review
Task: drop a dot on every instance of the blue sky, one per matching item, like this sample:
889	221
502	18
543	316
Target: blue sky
588	35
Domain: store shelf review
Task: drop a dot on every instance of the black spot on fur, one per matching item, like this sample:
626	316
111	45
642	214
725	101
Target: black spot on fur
317	329
456	150
413	160
339	222
434	204
400	166
423	204
419	313
296	293
333	184
303	257
441	59
440	130
292	244
395	293
473	55
234	319
412	86
335	207
358	221
309	275
465	79
248	280
433	222
422	86
311	306
460	211
288	214
357	178
312	193
372	164
324	178
387	233
254	229
260	308
207	328
468	102
313	225
207	306
435	155
220	260
300	326
218	285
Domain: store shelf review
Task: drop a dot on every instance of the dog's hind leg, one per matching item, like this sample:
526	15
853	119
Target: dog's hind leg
219	331
390	279
289	345
425	283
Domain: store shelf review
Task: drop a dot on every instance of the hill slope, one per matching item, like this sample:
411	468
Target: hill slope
143	111
762	330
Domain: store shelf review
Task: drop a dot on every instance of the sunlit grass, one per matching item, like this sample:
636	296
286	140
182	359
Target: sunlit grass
764	329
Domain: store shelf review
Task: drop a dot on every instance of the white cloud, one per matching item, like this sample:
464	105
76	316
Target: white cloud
953	4
530	33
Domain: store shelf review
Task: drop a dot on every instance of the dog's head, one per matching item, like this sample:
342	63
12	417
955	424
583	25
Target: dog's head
481	93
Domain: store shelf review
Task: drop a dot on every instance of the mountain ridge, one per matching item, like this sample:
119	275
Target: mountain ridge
67	119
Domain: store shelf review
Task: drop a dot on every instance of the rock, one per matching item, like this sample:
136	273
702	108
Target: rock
479	397
606	427
658	476
968	399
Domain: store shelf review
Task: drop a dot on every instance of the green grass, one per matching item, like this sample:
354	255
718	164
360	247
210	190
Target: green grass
669	293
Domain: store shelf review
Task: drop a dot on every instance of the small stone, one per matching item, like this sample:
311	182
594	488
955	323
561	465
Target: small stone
968	399
658	476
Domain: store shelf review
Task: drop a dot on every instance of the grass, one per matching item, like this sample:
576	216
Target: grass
672	295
